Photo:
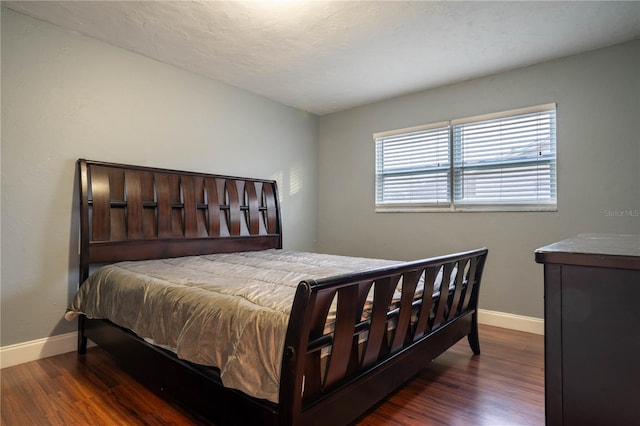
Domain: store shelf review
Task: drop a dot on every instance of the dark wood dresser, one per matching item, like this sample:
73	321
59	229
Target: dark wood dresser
592	330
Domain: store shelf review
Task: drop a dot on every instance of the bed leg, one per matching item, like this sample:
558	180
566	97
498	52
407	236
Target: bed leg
82	339
474	340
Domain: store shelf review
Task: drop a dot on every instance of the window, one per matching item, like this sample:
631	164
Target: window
503	161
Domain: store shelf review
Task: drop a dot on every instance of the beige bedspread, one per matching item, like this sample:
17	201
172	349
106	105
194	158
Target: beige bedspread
225	310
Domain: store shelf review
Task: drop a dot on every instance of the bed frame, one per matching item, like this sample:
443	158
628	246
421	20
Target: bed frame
135	213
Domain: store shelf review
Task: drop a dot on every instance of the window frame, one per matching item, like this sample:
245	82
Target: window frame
454	184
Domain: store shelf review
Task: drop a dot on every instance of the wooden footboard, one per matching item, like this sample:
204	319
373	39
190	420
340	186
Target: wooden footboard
375	344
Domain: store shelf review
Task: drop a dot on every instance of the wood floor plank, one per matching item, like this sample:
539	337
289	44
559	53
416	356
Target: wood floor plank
502	386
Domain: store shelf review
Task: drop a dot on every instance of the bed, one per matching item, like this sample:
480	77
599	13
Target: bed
332	337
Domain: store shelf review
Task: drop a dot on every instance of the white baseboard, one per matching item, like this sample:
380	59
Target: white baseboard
38	349
63	343
511	321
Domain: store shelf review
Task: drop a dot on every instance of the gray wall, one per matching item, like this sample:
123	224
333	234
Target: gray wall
598	97
66	96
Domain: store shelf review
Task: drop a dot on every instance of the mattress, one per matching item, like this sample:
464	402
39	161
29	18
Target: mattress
227	310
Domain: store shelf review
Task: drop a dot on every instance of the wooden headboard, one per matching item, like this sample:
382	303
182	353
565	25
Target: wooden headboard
136	213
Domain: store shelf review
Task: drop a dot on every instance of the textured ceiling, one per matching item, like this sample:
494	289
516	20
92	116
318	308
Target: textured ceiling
326	56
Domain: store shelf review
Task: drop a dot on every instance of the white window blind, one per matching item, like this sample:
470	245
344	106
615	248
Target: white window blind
503	161
414	167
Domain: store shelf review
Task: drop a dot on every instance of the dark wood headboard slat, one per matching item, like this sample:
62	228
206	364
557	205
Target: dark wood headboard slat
163	206
149	218
177	218
101	205
213	200
234	207
116	191
134	205
253	210
190	208
271	208
202	229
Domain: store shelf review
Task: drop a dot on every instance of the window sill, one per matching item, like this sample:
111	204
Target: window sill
478	209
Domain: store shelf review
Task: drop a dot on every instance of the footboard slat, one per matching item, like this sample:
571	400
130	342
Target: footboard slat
452	305
319	310
355	361
422	326
343	335
409	284
440	313
466	301
384	288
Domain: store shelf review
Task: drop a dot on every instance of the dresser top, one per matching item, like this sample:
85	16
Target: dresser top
603	250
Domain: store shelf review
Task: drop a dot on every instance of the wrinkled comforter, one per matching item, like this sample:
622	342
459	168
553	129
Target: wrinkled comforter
228	310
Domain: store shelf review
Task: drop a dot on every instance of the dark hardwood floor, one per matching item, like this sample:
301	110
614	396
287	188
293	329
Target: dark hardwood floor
502	386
